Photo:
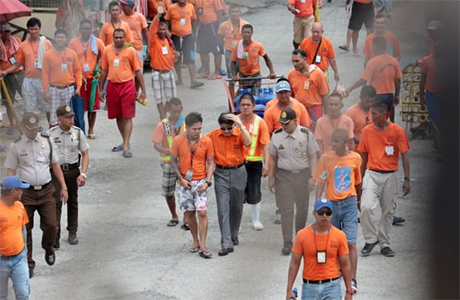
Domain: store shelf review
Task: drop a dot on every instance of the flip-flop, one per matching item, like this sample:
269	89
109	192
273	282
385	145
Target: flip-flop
194	249
185	226
117	148
214	77
127	153
92	136
196	84
205	254
203	76
344	48
172	223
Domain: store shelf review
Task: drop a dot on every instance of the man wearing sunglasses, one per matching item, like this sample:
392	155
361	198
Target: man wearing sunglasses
293	153
323	247
230	177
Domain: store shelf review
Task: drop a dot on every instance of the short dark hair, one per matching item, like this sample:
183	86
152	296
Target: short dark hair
367	91
61	31
247	96
379	43
234	6
85	21
174	101
335	95
224	120
299	52
380	105
379	15
163	20
5	193
113	3
247	26
340	132
193	118
34	21
283	79
119	30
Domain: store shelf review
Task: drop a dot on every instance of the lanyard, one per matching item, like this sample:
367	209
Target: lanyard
192	149
85	48
34	50
63	56
327	241
332	123
181	11
119	24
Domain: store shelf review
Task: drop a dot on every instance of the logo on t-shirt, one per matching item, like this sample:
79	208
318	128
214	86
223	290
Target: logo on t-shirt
342	179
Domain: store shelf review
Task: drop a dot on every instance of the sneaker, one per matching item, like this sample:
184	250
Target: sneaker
354	285
386	251
398	220
286	249
73	240
368	248
278	219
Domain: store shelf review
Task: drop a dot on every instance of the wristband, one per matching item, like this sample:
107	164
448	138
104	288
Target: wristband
84	175
350	292
65	189
243	127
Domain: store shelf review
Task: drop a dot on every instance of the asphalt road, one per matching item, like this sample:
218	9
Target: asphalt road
127	252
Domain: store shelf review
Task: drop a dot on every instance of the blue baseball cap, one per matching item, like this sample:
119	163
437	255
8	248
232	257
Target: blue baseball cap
323	202
282	86
13	182
127	2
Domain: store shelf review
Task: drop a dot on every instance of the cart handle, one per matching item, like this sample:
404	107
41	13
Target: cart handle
254	78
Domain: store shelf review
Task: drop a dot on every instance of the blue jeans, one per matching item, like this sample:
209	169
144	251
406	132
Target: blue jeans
345	217
18	270
326	291
387	99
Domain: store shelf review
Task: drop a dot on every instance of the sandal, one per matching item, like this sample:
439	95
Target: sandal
172	223
203	76
205	254
185	227
344	48
127	153
196	84
117	148
194	249
92	136
214	77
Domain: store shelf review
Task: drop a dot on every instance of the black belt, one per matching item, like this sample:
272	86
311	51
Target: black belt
381	171
7	257
68	167
38	187
230	167
319	281
161	71
253	162
62	87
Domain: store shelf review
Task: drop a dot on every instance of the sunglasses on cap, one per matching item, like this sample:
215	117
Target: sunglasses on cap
226	128
324	212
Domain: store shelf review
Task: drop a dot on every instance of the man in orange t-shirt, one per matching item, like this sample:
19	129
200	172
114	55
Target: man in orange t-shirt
380	145
303	11
383	73
308	85
13	255
360	113
192	159
119	65
320	52
106	32
62	74
230	177
323	248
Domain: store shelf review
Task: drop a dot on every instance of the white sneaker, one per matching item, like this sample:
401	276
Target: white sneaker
257	225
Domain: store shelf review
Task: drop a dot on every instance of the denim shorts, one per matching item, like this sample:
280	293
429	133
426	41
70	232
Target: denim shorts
345	217
327	291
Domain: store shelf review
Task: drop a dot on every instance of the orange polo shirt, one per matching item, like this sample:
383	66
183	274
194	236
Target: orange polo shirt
317	88
231	35
128	64
12	219
326	126
306	8
210	9
106	33
27	54
136	23
325	52
176	13
273	113
163	52
228	151
53	72
250	65
263	136
381	72
6	64
159	135
86	57
393	48
360	119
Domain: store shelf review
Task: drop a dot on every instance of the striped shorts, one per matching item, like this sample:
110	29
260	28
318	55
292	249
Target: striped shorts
168	182
164	85
33	95
59	97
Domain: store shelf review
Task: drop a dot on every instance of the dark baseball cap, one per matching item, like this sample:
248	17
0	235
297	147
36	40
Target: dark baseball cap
287	115
30	120
127	2
64	111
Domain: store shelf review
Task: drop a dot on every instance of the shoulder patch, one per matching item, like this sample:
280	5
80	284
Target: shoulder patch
17	139
45	135
278	130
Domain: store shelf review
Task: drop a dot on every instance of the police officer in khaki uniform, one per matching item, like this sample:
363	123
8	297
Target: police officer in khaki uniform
72	143
32	155
293	155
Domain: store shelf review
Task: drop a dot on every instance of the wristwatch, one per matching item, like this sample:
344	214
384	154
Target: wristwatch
209	183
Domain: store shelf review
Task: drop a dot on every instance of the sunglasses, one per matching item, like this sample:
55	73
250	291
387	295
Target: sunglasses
324	212
226	128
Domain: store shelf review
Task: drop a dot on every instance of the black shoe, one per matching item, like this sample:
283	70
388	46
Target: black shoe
286	249
73	240
57	244
398	220
368	248
50	257
386	251
31	272
354	285
225	251
235	241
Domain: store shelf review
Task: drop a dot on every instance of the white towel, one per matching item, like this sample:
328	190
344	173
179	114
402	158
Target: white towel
240	50
41	52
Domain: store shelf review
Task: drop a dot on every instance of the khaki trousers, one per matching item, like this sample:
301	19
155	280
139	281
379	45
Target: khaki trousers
302	28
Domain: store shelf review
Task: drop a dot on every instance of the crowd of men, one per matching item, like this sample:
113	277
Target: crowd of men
303	143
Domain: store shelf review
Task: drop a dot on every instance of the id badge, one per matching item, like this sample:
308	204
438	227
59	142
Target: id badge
85	68
189	175
36	64
389	150
302	1
306	85
164	50
12	60
245	55
182	22
200	11
116	62
64	67
41	158
321	257
234	43
318	59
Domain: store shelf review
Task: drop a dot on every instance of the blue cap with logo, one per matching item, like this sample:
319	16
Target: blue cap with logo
282	86
323	202
127	2
13	182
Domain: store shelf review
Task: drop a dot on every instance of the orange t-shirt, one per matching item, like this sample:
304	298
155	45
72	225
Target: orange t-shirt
305	7
159	135
250	65
340	174
325	52
86	57
6	64
360	119
325	126
231	35
164	59
106	33
228	151
12	218
317	88
273	113
176	13
383	147
430	68
393	48
26	56
128	64
183	150
136	23
381	72
210	9
307	243
54	72
153	7
263	137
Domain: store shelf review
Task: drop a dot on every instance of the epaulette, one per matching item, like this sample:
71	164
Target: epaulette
17	139
53	128
46	135
278	130
306	130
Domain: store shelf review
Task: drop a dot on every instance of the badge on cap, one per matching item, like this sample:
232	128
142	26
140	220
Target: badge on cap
67	109
282	84
32	120
283	114
323	200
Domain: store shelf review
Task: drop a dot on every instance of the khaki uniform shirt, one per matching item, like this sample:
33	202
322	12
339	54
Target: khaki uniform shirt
70	143
293	150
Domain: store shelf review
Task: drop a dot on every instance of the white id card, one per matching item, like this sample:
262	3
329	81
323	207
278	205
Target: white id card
64	67
318	59
36	64
164	50
85	68
302	1
389	150
182	22
116	62
245	55
12	60
321	257
234	43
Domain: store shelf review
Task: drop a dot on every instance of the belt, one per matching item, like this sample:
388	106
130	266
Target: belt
38	187
7	257
320	281
161	71
382	171
294	172
68	167
62	87
253	162
230	167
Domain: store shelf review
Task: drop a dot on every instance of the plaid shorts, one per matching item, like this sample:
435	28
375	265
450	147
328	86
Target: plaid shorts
190	199
59	96
168	182
33	95
164	85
